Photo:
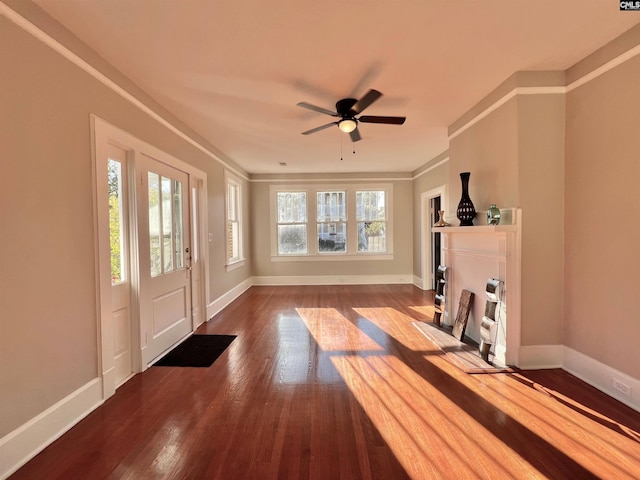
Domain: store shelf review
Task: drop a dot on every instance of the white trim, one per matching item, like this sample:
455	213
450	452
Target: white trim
600	376
231	179
401	278
26	441
230	267
505	99
417	281
332	257
48	40
221	302
303	180
426	230
611	64
532	357
432	167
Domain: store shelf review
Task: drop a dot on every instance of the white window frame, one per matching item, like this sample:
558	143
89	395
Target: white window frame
275	250
351	253
231	180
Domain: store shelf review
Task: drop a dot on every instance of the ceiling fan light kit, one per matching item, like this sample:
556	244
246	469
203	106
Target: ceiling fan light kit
347	125
346	110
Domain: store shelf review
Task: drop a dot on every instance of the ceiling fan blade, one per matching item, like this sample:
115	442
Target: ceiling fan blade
378	119
317	129
369	97
317	109
355	135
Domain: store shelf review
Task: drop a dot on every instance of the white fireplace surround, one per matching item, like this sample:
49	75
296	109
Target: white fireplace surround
475	254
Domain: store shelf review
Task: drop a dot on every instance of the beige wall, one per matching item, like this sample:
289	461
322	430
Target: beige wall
541	194
402	238
489	150
48	338
602	222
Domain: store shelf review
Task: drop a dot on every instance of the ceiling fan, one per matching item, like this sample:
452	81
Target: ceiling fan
347	109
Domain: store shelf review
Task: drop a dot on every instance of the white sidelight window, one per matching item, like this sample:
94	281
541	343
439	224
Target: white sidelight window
117	225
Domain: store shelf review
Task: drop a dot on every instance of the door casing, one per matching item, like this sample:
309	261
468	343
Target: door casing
105	134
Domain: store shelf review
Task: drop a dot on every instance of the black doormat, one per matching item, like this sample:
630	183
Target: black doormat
196	351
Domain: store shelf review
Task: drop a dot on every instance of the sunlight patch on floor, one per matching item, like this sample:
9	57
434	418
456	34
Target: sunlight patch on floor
406	410
333	332
398	326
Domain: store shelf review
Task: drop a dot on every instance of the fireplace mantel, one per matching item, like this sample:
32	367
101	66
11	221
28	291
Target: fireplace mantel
475	254
477	229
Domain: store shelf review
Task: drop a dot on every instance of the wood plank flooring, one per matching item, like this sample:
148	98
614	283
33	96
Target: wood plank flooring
335	383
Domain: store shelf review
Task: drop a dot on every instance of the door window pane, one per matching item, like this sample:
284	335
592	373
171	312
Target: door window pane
178	234
167	225
116	222
166	234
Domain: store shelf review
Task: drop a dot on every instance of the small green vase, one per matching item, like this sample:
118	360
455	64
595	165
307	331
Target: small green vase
493	215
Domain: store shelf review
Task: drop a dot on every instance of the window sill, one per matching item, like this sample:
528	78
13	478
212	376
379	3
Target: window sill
332	258
234	266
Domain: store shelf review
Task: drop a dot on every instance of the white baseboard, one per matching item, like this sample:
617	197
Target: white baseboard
218	304
334	279
601	376
26	441
532	357
417	281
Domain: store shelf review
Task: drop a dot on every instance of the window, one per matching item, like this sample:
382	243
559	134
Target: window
116	221
353	222
372	221
234	219
292	223
165	224
332	218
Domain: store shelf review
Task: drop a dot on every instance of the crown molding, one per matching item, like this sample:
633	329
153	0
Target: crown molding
51	42
550	90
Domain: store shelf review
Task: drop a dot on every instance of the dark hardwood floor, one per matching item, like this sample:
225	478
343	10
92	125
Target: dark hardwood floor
335	383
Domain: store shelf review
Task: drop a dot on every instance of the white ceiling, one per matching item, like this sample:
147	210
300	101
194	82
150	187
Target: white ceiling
234	70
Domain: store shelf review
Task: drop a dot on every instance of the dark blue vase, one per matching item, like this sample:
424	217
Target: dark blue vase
466	211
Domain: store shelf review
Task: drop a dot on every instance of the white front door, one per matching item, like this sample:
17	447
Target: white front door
163	229
120	264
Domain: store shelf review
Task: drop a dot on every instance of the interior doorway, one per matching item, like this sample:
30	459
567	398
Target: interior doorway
431	245
436	240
